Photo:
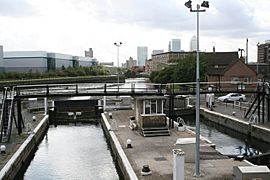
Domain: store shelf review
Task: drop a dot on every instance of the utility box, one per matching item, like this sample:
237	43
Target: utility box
210	100
251	173
187	145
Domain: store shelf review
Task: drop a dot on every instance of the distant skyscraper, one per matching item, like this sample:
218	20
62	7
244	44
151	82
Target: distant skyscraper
176	45
142	55
130	62
193	44
170	47
264	52
89	53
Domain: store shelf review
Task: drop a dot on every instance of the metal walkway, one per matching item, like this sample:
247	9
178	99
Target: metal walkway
19	93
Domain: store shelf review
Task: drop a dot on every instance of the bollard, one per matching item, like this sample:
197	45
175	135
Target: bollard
129	143
34	118
178	164
110	115
3	149
146	170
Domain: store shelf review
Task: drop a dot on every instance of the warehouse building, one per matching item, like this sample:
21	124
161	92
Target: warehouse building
40	61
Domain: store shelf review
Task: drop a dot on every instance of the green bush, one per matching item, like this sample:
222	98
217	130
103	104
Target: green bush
61	72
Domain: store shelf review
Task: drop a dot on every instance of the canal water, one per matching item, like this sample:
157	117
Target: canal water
73	152
81	151
228	142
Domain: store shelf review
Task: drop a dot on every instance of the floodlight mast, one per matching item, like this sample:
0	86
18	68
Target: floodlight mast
118	45
205	4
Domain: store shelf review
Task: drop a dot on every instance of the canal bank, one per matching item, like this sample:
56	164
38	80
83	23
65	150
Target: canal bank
118	153
22	157
157	152
237	124
60	80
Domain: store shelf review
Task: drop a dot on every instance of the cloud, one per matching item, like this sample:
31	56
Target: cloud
228	18
15	8
151	13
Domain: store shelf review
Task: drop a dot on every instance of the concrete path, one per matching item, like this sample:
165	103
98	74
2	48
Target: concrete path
157	152
15	139
239	112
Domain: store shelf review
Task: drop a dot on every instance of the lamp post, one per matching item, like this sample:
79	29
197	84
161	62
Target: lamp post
258	45
197	155
118	45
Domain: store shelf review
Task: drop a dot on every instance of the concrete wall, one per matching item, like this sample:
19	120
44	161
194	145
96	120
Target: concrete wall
153	120
118	153
25	151
240	126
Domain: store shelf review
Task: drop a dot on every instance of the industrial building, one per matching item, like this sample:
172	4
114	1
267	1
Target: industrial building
40	61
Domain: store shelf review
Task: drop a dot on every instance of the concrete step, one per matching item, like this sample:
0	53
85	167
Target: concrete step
156	131
155	128
156	134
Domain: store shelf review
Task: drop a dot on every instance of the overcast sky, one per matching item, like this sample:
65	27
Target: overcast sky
72	26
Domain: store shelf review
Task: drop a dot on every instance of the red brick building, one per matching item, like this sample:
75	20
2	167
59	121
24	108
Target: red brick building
233	75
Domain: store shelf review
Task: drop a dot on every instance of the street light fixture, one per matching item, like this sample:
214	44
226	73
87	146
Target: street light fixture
205	4
118	45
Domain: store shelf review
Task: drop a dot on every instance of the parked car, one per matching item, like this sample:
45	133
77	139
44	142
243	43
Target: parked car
232	97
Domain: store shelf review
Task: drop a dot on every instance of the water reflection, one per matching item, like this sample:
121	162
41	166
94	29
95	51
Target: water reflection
228	141
73	152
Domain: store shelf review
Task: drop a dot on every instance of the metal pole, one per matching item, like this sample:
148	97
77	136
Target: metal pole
118	67
118	45
19	115
197	156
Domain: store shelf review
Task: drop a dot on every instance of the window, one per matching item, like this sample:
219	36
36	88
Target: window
241	86
147	107
247	80
159	106
153	106
235	80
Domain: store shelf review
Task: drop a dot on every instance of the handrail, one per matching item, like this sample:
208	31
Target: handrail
2	111
10	113
131	88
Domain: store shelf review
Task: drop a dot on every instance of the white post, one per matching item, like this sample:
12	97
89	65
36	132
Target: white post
178	164
45	106
104	103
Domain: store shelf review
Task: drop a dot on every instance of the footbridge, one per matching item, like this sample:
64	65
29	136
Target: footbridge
12	96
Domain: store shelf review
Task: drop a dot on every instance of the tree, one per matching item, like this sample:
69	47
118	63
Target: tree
129	74
183	71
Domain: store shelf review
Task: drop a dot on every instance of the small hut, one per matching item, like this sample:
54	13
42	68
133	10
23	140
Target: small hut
150	117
